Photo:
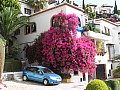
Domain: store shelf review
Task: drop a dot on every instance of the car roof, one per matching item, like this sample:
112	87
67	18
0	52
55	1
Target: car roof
38	66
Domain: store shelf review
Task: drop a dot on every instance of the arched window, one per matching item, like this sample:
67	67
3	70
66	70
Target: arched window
33	27
30	28
79	22
52	21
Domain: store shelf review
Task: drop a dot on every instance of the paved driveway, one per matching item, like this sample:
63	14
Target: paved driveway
29	85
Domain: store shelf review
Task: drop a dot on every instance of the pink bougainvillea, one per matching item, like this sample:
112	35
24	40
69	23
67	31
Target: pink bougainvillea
63	50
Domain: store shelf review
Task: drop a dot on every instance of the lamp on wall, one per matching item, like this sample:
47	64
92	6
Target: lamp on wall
99	61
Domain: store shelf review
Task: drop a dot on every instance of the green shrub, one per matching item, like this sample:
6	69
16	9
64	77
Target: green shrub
12	65
113	84
97	85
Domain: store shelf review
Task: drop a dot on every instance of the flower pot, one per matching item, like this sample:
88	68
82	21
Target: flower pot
66	80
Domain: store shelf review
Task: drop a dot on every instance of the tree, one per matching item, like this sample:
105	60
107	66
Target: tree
88	9
9	3
37	4
115	8
10	21
118	12
83	5
117	70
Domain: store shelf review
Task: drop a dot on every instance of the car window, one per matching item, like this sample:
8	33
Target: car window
46	70
39	71
32	69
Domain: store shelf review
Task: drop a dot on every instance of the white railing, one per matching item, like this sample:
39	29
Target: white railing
98	36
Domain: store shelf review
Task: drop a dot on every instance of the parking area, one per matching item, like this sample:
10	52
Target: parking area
29	85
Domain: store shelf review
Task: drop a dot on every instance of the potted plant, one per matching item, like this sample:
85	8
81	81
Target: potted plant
66	78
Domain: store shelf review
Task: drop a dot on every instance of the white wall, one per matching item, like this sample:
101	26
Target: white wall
81	15
42	21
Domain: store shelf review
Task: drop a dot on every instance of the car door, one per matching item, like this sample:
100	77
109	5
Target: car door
30	73
38	75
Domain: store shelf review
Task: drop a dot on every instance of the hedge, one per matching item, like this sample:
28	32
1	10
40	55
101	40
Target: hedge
12	65
113	84
97	84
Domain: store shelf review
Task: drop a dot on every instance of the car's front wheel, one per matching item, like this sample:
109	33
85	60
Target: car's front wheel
25	78
45	82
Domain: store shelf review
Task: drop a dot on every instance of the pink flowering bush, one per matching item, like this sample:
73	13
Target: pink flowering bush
62	50
2	86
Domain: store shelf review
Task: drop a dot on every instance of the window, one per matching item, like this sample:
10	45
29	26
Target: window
27	29
119	35
30	28
32	69
75	72
107	31
33	27
52	21
109	73
84	78
79	22
27	11
111	52
111	66
17	32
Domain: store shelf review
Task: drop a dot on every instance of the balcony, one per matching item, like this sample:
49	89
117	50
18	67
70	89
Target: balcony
98	36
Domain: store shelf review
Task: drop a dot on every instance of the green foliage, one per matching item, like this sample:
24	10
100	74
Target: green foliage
92	15
10	21
116	57
93	28
113	84
9	3
118	12
97	85
115	11
117	69
12	65
88	9
14	50
38	4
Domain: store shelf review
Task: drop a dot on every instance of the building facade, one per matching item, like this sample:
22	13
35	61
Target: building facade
107	41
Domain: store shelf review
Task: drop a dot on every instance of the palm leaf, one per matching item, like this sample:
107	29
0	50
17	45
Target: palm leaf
10	21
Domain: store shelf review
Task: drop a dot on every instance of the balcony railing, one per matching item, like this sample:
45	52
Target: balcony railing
98	36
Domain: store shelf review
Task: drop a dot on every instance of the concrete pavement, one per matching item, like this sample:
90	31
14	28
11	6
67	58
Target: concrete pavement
29	85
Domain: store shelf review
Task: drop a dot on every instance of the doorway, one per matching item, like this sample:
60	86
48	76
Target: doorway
101	71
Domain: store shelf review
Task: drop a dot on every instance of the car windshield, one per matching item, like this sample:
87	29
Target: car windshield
46	70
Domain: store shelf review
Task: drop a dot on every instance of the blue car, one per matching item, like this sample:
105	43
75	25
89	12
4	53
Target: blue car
41	74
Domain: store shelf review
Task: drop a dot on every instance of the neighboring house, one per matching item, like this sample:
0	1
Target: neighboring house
105	11
112	29
41	22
